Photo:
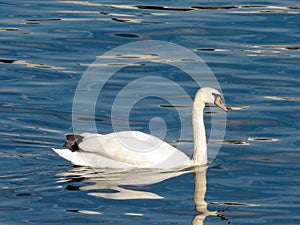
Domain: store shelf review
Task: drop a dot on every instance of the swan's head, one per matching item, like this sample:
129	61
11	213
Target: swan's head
211	96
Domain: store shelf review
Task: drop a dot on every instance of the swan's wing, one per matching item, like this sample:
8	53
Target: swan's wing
88	159
133	148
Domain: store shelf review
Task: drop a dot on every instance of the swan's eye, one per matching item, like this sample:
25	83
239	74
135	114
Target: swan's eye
217	96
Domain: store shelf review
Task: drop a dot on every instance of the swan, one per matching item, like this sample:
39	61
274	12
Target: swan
135	149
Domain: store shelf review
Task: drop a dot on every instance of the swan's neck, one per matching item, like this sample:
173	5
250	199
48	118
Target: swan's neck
200	145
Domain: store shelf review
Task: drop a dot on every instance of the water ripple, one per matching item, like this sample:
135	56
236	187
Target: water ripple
252	49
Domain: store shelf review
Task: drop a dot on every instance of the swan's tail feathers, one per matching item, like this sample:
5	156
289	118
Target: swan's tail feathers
72	142
74	157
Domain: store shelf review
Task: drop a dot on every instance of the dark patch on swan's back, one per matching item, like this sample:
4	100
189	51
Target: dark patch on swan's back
72	141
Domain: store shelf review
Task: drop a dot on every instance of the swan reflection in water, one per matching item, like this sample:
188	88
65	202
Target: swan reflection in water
115	184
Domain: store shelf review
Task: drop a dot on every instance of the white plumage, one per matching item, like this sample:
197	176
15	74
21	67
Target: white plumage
134	149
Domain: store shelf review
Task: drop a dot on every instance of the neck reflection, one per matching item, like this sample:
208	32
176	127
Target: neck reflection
115	184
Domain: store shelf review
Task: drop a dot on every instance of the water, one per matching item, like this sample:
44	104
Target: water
253	50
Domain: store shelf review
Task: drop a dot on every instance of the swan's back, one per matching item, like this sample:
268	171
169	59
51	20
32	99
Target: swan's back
124	149
133	148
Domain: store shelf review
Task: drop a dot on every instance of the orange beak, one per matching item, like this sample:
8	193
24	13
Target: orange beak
220	104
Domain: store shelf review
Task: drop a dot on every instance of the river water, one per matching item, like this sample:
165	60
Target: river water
252	49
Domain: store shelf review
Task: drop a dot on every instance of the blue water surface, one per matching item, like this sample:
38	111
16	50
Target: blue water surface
251	48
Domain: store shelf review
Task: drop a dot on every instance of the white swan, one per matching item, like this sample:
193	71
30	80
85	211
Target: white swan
129	149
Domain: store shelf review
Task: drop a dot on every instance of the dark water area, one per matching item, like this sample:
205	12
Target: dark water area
251	48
